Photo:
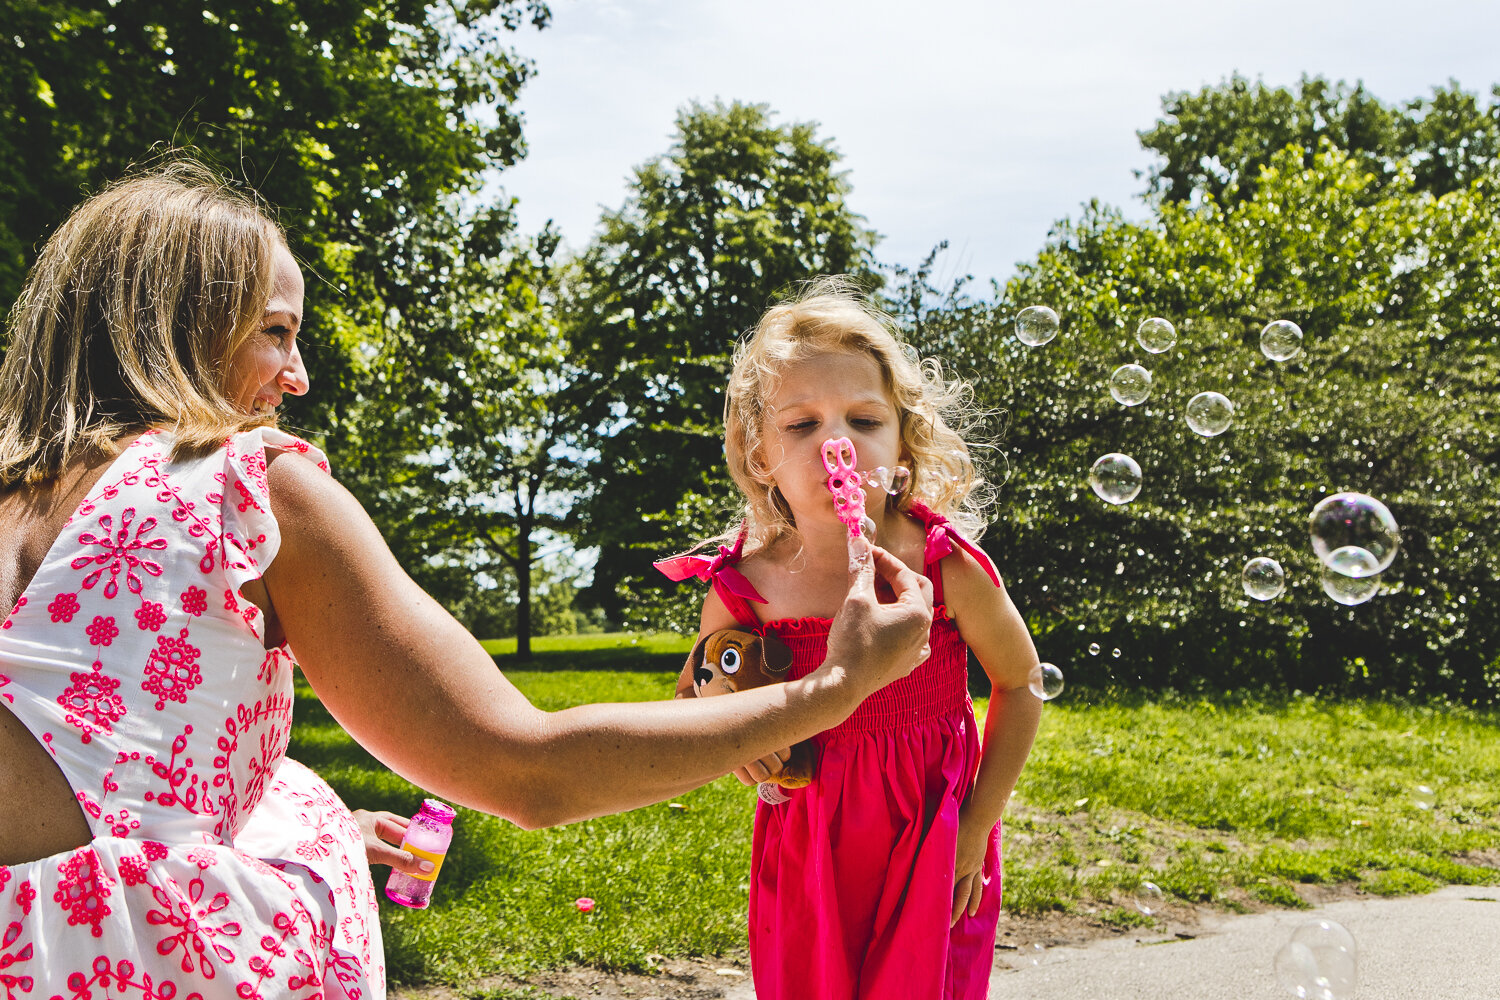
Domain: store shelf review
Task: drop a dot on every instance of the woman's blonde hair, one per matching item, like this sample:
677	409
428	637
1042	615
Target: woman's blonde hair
130	316
831	314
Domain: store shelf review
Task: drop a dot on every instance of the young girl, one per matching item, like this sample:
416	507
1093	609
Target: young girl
881	878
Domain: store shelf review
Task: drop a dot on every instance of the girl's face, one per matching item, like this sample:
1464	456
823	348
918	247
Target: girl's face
831	395
269	364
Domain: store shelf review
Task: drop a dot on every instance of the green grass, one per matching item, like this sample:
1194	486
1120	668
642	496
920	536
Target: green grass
596	651
1230	802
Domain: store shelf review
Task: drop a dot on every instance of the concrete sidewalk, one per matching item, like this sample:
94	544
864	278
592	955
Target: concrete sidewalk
1443	946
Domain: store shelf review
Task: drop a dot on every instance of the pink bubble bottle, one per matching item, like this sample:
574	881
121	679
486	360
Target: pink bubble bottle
427	836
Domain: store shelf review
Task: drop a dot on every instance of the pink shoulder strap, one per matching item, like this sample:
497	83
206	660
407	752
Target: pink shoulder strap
942	540
733	588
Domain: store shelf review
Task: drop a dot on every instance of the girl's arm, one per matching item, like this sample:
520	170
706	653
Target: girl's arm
416	690
995	631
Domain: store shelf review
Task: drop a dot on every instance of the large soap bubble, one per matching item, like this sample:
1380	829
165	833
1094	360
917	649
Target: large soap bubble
1320	962
1263	578
1156	335
1281	340
1210	414
1350	590
1036	325
1116	478
1046	681
1130	384
1354	534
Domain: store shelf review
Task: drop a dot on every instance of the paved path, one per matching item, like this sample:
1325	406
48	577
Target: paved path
1443	946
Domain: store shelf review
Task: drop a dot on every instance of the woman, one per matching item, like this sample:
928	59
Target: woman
164	550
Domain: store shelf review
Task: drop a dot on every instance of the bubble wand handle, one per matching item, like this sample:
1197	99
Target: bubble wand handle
843	483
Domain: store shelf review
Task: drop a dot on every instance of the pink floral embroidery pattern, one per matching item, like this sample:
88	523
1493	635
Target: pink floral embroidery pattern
92	704
196	929
172	669
83	888
8	959
150	616
133	870
194	601
63	607
20	603
103	631
153	850
25	894
120	552
203	858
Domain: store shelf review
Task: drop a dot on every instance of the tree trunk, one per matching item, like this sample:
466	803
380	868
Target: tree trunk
523	587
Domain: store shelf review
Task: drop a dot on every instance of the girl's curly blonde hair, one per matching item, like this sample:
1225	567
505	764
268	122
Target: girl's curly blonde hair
832	314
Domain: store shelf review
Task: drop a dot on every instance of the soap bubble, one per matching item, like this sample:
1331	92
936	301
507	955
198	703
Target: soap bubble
1130	384
1115	652
1148	897
1093	649
878	477
1116	478
771	794
1350	590
1156	335
1263	578
1046	681
900	477
1210	414
1423	797
1320	962
1354	534
867	528
1036	325
1281	340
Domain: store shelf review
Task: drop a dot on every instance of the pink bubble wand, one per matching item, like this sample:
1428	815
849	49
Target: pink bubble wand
843	483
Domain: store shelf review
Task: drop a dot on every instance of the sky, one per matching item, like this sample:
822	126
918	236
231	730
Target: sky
979	122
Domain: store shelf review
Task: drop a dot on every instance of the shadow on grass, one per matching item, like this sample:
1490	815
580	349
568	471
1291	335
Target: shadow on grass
627	660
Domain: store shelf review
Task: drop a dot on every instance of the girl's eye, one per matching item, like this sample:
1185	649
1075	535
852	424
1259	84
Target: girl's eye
801	425
865	422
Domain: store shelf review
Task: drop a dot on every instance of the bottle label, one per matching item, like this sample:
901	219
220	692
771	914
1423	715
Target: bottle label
436	859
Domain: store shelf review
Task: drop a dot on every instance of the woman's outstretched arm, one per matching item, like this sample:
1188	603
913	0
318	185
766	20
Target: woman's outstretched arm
416	690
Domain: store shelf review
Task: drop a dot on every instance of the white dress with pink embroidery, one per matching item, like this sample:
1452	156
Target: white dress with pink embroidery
218	868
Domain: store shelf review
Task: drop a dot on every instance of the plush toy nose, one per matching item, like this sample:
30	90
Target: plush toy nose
701	676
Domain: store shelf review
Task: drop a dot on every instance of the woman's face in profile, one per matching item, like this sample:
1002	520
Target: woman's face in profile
269	364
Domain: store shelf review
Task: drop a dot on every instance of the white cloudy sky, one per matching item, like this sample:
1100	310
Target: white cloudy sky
975	121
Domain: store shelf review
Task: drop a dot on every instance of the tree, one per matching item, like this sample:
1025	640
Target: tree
1395	289
739	210
1216	140
354	119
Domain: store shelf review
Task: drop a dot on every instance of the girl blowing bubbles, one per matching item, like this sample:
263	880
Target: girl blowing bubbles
882	877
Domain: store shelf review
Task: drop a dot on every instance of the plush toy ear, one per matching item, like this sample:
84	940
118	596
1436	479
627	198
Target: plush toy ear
775	656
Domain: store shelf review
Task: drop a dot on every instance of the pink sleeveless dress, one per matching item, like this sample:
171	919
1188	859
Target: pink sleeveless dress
851	881
217	868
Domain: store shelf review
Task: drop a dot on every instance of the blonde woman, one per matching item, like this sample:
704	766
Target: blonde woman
165	551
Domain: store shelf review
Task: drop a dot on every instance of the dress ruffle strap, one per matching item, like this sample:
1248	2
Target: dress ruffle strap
733	588
943	538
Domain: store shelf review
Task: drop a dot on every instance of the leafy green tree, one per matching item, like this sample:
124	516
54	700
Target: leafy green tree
355	119
738	210
1216	140
1395	289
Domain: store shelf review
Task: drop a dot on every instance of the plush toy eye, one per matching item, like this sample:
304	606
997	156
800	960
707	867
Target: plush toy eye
730	661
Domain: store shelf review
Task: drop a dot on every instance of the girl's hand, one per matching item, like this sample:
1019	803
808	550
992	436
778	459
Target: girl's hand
380	831
968	867
764	769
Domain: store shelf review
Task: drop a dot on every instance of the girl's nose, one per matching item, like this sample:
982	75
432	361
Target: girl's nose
293	378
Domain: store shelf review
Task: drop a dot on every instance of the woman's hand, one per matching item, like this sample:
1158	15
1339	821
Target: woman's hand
383	833
881	642
968	866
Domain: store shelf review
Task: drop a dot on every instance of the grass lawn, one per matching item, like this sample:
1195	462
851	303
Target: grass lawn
1226	801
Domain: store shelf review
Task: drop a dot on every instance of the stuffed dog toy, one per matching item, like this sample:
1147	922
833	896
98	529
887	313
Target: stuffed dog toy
734	659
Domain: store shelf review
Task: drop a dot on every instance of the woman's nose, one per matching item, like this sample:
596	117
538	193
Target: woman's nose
293	377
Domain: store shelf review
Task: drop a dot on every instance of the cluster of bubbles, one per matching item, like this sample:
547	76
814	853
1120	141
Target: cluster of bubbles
1320	962
893	481
1354	536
